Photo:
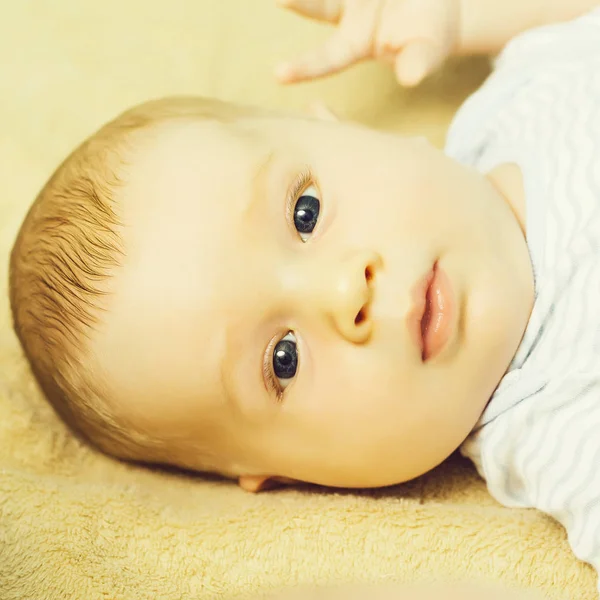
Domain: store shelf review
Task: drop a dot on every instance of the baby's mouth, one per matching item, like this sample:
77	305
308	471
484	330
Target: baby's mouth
438	314
426	318
419	318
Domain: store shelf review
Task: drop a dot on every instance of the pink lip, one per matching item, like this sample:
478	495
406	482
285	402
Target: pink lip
431	319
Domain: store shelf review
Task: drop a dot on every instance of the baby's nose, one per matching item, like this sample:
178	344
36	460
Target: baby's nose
349	296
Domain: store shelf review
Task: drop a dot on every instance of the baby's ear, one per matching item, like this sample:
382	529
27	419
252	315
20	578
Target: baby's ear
262	483
321	111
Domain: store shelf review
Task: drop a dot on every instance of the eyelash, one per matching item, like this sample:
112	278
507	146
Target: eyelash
267	369
304	180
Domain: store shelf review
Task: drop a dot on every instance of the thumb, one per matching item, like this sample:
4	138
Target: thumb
417	60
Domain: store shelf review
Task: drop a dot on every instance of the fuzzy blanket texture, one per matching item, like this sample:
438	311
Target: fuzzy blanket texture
76	524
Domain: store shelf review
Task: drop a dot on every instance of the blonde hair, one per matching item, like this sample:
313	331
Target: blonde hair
68	248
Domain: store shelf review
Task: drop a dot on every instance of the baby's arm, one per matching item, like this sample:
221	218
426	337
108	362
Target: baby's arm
416	36
486	25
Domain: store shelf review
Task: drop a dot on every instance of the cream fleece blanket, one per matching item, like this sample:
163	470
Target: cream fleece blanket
74	524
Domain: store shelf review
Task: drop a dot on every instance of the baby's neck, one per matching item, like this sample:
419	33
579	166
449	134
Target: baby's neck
508	180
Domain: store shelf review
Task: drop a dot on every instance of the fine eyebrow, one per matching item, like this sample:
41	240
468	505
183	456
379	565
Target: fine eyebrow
259	185
226	372
259	179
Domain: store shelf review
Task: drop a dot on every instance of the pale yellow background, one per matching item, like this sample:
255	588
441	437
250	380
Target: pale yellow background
74	524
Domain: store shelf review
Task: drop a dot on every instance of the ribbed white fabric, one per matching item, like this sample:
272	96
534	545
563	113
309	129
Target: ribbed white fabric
538	442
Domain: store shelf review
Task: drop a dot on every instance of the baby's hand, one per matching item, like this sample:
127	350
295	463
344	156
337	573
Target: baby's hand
416	36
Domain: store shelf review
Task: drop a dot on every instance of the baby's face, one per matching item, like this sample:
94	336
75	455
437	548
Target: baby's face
267	312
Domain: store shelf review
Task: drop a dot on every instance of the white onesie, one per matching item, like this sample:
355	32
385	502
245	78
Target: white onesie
538	442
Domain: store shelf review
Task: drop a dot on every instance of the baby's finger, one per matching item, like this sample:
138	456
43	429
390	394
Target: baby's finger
323	10
417	60
336	54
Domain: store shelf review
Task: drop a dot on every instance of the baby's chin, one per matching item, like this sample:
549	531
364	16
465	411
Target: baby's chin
438	591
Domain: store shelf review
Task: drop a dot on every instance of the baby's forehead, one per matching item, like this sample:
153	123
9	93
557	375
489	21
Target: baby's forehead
202	137
188	162
183	207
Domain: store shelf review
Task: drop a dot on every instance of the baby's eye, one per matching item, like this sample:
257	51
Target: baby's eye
285	359
306	212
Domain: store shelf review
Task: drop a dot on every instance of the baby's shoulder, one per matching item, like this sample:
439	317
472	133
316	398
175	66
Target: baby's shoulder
539	409
540	78
548	46
565	407
542	436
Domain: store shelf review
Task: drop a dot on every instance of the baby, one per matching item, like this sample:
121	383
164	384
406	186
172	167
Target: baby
278	298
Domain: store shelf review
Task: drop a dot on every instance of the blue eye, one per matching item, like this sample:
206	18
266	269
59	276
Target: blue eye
306	212
285	359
